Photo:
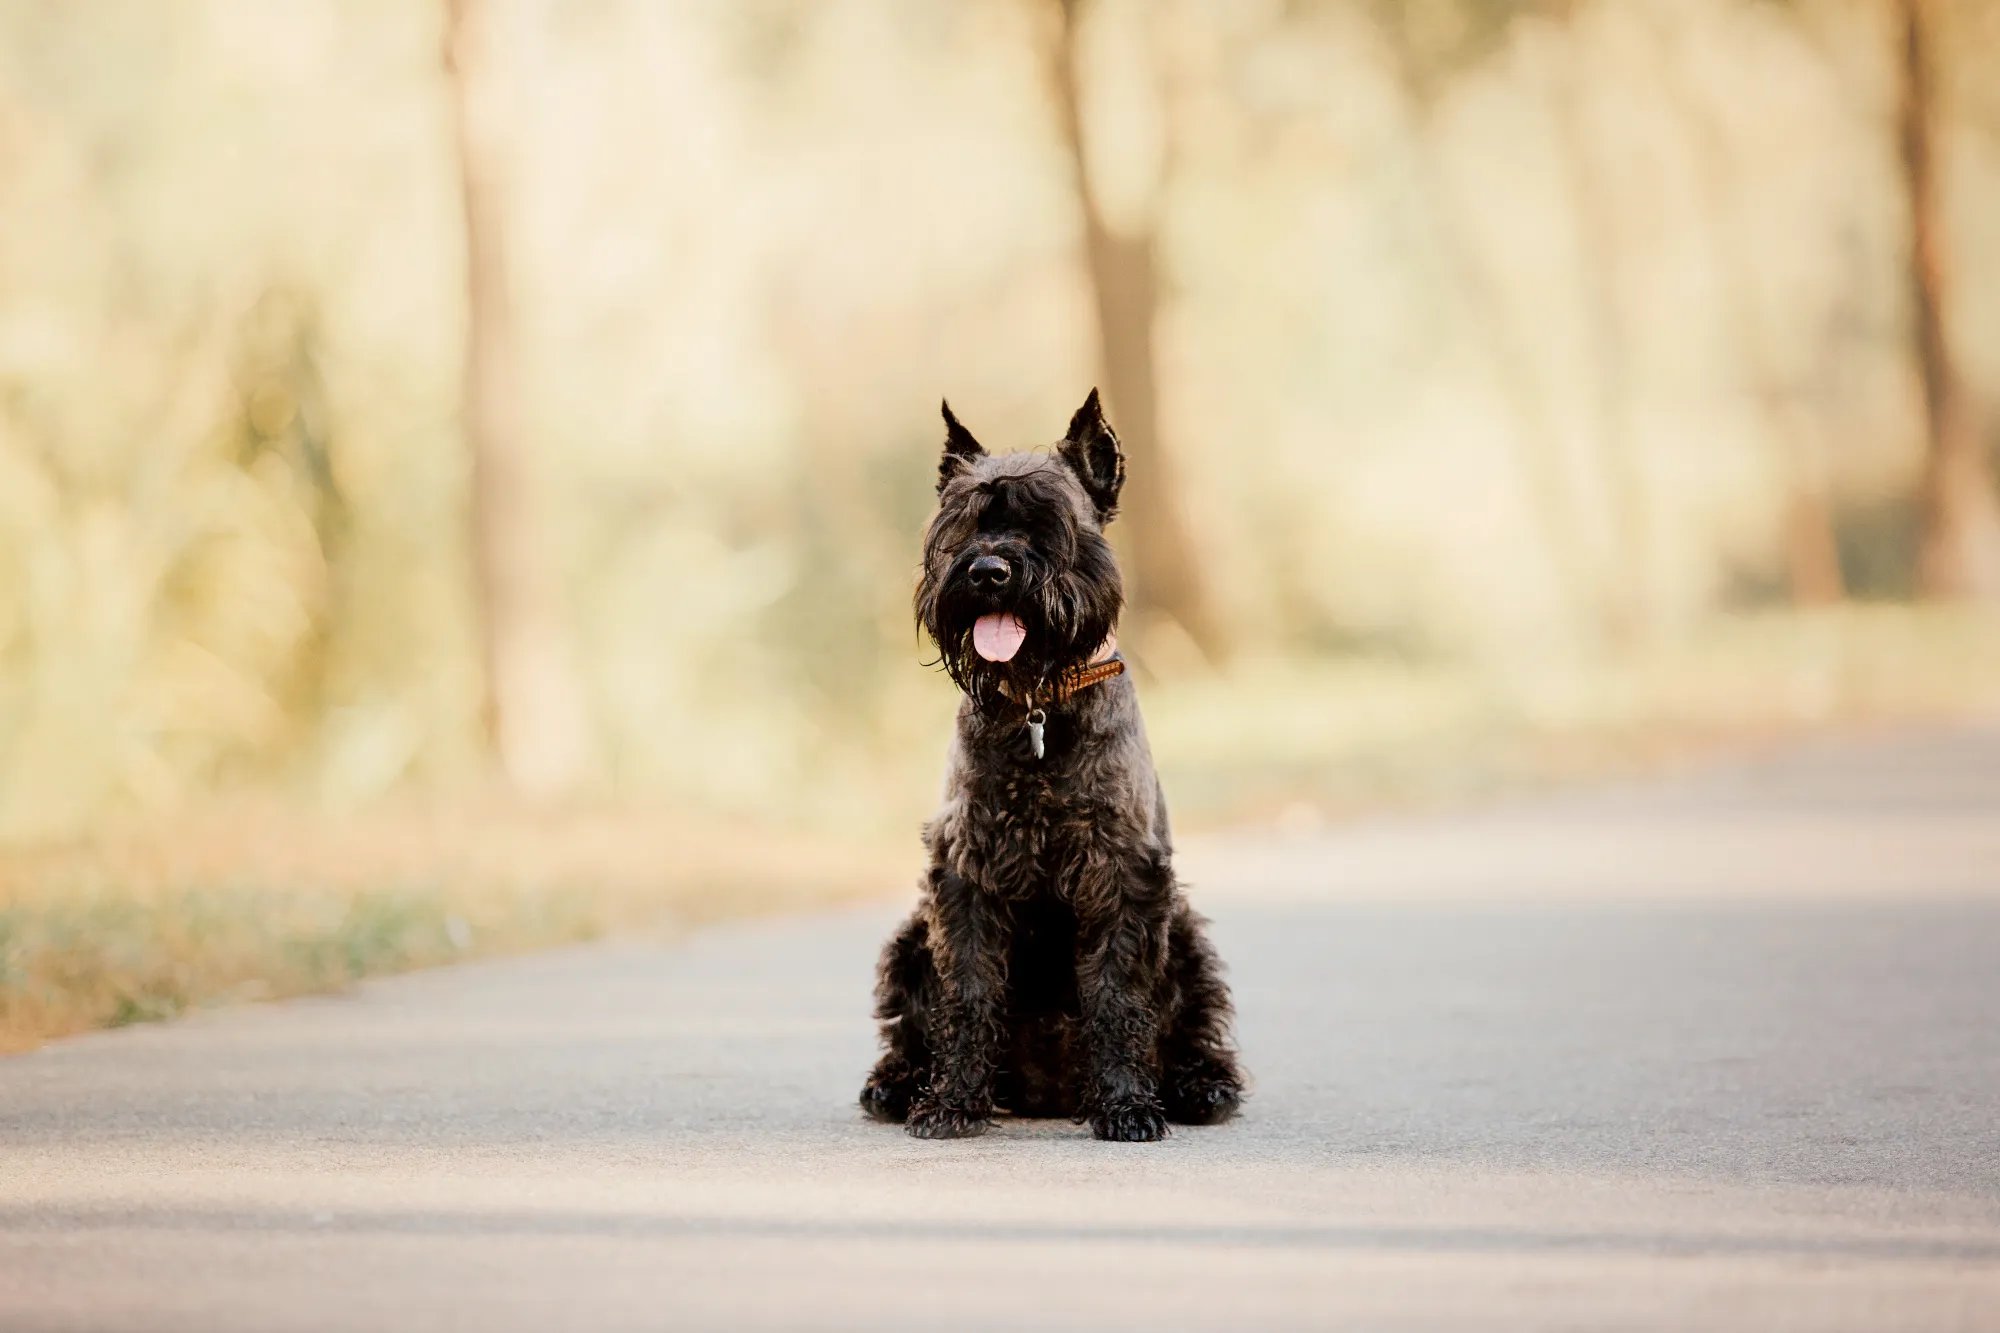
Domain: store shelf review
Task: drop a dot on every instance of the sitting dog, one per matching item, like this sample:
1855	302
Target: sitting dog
1053	967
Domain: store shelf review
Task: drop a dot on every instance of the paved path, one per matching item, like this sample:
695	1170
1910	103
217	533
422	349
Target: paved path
1719	1052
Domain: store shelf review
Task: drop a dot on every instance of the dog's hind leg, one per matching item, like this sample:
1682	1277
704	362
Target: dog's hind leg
905	987
1200	1082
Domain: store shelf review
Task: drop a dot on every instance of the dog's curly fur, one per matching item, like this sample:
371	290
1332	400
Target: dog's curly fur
1053	967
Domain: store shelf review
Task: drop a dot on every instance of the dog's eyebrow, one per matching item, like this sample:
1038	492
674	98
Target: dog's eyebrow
949	526
1000	498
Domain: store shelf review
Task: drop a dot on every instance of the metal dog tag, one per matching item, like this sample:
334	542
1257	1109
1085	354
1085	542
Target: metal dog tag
1036	719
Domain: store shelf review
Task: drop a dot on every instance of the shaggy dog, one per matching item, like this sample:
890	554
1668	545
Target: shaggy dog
1053	967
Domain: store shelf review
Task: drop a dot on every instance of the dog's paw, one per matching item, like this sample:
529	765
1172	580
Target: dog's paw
1142	1122
929	1120
1203	1103
885	1102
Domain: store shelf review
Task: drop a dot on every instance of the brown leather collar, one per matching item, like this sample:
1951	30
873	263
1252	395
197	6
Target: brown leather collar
1077	679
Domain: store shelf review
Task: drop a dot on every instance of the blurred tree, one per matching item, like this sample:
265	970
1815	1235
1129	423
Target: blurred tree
533	708
1628	602
1812	552
282	429
1960	555
1124	279
1430	44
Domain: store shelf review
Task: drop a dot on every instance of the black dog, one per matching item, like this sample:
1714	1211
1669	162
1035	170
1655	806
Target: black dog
1053	967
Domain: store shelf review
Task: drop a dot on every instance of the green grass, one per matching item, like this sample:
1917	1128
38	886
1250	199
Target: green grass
1339	736
70	963
153	923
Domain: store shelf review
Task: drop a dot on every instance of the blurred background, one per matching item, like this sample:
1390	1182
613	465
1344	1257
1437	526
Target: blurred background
462	464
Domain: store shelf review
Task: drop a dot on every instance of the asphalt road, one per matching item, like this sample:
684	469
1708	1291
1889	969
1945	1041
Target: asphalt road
1715	1052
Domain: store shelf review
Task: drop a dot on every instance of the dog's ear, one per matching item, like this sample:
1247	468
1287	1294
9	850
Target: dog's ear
959	448
1092	451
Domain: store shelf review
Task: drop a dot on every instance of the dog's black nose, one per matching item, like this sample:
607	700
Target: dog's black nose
989	573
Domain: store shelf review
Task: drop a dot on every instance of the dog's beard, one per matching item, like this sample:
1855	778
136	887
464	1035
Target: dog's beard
1063	620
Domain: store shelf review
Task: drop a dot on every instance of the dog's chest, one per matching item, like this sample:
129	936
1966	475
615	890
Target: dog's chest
1035	831
1024	827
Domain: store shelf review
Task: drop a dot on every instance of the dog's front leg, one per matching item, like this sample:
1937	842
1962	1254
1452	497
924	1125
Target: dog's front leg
1122	951
969	939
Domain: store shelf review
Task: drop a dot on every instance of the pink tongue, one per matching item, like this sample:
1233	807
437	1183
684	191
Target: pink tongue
997	637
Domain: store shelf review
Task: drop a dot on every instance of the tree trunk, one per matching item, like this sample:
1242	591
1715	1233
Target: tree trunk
1812	547
1960	554
1163	577
532	708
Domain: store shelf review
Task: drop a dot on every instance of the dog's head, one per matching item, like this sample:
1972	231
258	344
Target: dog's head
1019	583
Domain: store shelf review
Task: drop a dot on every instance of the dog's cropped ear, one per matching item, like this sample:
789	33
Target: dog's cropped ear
1092	451
959	448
